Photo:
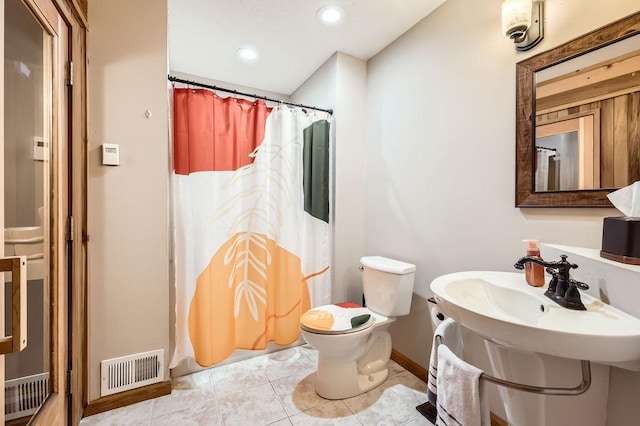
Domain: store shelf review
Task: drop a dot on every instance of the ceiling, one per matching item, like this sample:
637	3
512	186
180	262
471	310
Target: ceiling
204	36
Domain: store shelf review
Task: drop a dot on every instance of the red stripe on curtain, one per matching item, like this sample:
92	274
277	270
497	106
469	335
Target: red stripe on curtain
211	133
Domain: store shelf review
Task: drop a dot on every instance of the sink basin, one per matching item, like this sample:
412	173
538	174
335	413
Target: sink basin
503	308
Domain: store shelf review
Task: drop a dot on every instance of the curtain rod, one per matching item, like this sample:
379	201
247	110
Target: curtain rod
236	92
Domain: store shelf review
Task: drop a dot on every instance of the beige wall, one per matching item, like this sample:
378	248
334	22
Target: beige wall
128	224
440	158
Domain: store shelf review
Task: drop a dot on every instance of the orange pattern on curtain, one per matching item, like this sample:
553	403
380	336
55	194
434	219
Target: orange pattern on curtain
252	292
213	133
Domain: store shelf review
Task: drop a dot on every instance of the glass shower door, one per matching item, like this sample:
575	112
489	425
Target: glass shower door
28	53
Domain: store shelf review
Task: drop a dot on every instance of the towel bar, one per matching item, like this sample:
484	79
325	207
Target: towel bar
578	390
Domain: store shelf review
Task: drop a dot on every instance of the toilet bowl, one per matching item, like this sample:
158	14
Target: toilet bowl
353	343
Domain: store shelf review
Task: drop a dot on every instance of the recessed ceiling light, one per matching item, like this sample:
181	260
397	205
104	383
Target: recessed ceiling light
330	15
248	54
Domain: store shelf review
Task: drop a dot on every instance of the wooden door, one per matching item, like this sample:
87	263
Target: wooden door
36	201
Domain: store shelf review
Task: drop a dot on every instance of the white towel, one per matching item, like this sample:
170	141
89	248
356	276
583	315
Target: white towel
460	402
450	332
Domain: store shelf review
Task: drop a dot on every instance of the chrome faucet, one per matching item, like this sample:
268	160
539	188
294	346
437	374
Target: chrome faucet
562	288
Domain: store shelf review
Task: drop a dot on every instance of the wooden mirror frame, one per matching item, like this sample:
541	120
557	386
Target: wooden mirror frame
525	107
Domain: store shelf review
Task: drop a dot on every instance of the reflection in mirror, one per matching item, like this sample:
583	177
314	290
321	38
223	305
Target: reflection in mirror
578	119
556	161
567	154
595	94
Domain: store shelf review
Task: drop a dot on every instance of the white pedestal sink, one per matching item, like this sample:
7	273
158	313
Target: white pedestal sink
502	308
532	331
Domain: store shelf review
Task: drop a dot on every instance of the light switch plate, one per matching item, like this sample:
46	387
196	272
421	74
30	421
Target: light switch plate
110	154
40	148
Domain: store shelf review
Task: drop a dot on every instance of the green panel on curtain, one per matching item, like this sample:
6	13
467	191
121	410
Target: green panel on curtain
316	169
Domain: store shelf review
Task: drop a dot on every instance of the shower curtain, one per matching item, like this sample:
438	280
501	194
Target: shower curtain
251	216
543	158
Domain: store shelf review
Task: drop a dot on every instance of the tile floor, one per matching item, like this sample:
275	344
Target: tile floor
275	389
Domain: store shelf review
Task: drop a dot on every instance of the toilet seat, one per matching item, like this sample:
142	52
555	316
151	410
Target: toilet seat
335	319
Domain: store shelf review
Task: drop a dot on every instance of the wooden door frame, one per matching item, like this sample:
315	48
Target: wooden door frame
78	310
70	346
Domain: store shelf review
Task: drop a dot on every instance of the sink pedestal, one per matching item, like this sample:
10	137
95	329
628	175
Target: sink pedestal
523	408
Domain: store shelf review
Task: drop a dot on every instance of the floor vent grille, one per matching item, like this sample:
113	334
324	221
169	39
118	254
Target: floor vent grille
130	372
24	395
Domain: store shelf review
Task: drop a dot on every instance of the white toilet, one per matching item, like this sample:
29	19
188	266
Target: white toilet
353	343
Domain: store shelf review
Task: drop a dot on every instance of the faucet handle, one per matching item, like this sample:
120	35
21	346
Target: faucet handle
579	284
565	263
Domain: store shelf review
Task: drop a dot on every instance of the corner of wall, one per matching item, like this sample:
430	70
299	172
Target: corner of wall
340	84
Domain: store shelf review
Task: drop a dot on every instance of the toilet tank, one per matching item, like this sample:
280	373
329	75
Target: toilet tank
387	285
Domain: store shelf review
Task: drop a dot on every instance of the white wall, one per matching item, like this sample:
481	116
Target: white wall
128	260
340	84
440	157
320	89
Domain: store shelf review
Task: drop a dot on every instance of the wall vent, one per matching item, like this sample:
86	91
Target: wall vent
130	372
24	395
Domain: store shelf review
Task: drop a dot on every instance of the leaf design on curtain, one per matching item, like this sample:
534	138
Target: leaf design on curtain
215	332
279	171
243	216
242	254
271	174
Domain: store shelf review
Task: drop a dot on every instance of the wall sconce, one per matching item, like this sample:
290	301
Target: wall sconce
522	21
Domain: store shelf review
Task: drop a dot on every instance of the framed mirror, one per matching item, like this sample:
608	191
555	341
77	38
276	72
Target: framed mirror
578	119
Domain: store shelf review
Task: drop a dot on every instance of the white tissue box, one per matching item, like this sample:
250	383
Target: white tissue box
621	239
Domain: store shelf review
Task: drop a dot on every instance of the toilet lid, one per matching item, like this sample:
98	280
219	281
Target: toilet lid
334	319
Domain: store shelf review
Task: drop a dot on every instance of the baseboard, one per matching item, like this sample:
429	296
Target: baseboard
409	365
497	421
129	397
18	422
421	373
